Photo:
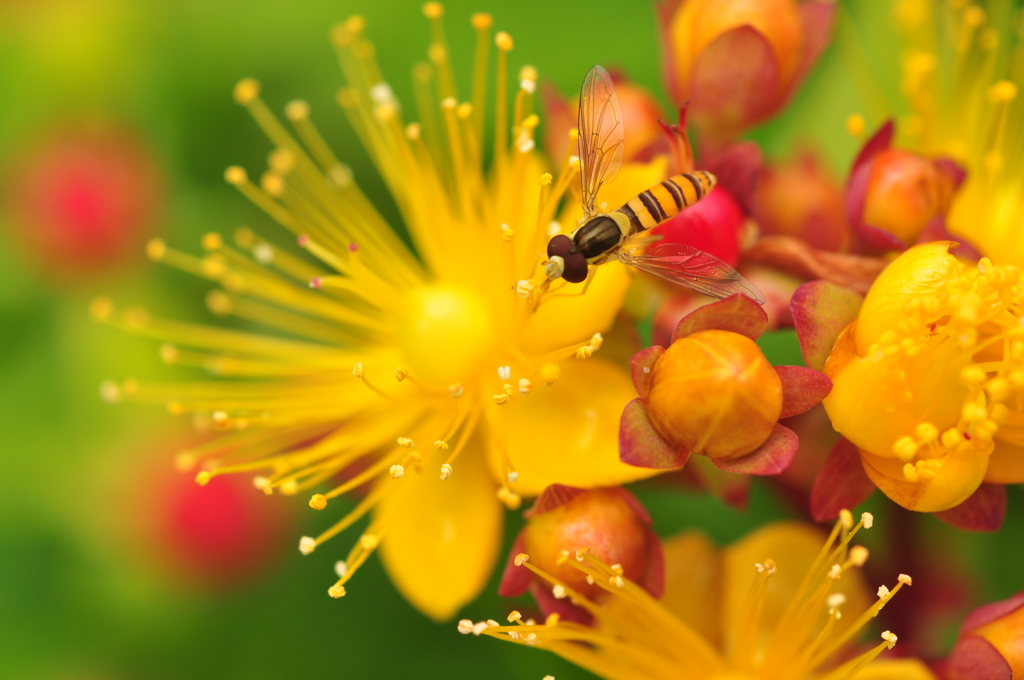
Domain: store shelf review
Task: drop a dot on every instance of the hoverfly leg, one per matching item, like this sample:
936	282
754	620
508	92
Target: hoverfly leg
586	284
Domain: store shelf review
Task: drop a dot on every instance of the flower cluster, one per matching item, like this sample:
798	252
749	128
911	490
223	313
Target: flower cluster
435	370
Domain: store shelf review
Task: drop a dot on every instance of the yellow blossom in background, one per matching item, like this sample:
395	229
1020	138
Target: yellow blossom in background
962	68
928	382
777	604
454	391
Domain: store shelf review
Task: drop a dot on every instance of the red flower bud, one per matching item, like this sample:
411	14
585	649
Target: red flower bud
991	643
608	523
714	225
84	199
800	199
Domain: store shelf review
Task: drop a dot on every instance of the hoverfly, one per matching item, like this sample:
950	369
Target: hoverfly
622	234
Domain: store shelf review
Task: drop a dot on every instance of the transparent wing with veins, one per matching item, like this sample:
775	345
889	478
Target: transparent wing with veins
601	136
692	268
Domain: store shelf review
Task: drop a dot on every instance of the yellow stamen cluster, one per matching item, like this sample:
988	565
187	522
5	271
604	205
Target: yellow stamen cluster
371	348
977	318
634	635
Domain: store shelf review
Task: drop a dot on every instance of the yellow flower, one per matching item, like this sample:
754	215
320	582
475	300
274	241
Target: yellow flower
403	361
960	79
928	382
768	606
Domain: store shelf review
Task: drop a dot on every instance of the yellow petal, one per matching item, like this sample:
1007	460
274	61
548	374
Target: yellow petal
693	584
441	538
895	669
568	433
960	475
794	547
869	402
565	320
1006	464
921	270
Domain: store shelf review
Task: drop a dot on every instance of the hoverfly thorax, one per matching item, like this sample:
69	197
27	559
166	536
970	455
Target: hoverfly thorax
597	237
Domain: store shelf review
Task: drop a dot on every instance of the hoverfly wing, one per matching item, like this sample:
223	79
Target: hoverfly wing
601	136
692	268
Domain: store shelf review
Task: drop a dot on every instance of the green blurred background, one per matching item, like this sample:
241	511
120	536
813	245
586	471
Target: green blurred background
97	579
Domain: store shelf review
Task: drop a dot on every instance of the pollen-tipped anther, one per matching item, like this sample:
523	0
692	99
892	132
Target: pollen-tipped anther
318	501
890	638
858	555
905	580
203	478
456	390
867	519
397	472
501	399
307	544
405	442
513	477
446	471
521	559
558	590
358	370
341	568
336	591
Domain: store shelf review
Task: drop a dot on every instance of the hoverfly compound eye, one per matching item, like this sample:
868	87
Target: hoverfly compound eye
575	270
559	245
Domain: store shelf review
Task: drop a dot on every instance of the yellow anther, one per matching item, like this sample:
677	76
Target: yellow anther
466	626
974	16
513	477
509	499
1016	378
156	249
558	590
882	593
998	389
952	438
203	478
405	442
855	124
307	544
289	487
927	433
858	555
507	233
905	580
296	110
400	373
456	390
246	91
520	559
368	541
318	501
973	412
867	519
433	10
846	519
463	111
446	471
355	23
481	21
986	430
596	341
910	473
441	445
584	352
549	373
890	638
211	241
905	448
530	639
552	620
397	472
999	413
545	179
501	399
581	552
504	41
358	370
336	591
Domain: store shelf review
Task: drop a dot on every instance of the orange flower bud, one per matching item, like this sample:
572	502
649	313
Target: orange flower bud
715	392
991	643
905	193
738	61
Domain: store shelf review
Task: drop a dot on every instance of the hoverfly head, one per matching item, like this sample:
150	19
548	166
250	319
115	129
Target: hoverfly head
564	261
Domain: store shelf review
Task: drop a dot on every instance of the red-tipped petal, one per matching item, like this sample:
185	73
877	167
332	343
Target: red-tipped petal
736	313
735	82
641	445
549	604
842	483
936	231
990	612
653	579
821	310
770	458
975	658
881	140
956	172
640	366
553	497
733	490
515	581
802	389
983	510
818	18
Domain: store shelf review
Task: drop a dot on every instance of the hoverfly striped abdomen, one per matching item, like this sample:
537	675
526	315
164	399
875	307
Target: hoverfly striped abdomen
664	201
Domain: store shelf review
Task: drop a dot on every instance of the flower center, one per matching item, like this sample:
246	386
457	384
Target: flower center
446	334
